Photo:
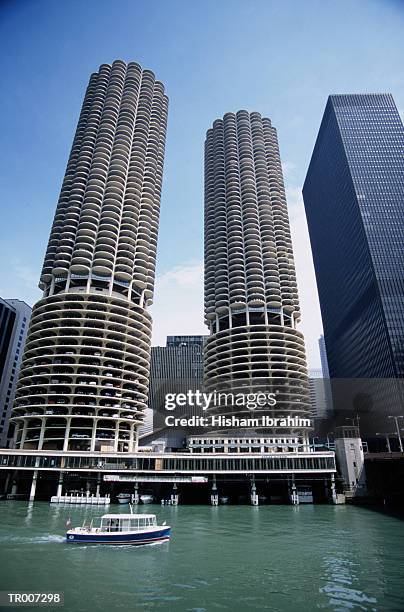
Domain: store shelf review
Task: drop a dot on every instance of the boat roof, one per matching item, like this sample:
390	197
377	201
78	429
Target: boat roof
126	516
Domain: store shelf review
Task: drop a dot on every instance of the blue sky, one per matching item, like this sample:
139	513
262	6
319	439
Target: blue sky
279	57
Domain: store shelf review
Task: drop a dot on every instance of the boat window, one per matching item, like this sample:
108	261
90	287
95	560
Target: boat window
125	524
110	524
105	524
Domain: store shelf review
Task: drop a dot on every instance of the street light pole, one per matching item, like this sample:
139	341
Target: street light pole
400	416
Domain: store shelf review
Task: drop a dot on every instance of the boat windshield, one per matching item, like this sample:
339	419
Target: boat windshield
127	524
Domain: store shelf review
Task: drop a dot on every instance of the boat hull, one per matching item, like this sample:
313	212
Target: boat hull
137	539
147	499
123	500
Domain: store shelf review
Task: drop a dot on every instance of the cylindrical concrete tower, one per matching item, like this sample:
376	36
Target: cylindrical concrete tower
84	378
251	300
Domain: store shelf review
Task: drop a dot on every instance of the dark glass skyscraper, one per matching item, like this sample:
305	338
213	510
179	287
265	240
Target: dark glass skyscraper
354	200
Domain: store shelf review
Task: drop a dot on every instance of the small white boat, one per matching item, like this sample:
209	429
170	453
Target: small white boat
124	498
146	499
134	529
224	499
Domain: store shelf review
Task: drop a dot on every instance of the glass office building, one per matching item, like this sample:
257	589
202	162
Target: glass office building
354	200
14	320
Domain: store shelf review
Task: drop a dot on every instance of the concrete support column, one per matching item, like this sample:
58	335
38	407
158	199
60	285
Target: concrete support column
116	437
88	488
52	286
97	492
93	434
135	438
24	433
59	491
33	485
67	434
327	492
16	432
130	287
131	438
67	287
7	483
42	433
14	484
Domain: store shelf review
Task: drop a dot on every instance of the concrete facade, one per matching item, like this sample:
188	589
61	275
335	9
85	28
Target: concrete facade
85	372
251	298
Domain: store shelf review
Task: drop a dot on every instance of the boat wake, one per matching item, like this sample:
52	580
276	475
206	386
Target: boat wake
45	539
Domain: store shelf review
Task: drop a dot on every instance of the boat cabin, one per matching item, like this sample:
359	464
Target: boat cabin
127	522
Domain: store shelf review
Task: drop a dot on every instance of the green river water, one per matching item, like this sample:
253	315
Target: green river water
277	558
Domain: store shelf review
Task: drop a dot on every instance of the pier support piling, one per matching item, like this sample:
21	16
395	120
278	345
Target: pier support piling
60	485
33	485
135	498
174	495
333	491
7	483
294	496
254	494
214	498
97	490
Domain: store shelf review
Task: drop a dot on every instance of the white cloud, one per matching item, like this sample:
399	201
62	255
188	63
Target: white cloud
311	324
178	303
288	168
21	282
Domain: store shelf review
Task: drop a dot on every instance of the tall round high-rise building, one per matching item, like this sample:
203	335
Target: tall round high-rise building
84	377
251	299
